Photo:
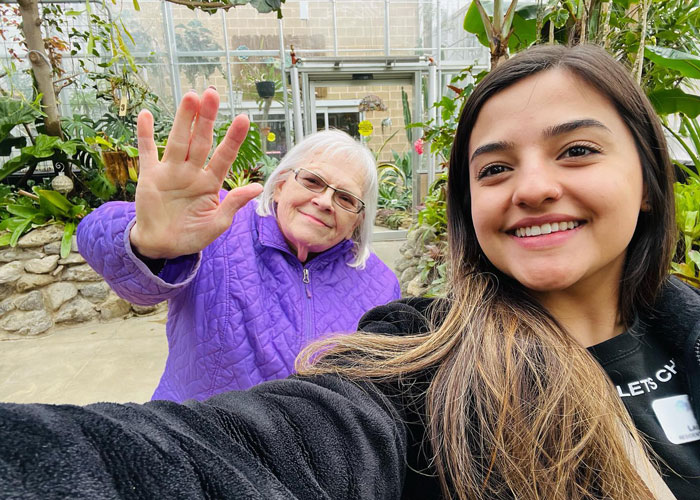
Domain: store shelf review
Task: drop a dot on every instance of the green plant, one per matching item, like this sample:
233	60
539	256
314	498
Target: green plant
687	264
250	152
440	137
394	186
15	111
432	225
688	220
44	147
27	211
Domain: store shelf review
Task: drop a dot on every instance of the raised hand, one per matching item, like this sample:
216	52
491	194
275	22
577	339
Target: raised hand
177	199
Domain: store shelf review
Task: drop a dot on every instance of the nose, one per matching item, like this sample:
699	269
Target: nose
536	184
324	200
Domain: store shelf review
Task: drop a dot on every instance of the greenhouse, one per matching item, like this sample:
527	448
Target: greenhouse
350	249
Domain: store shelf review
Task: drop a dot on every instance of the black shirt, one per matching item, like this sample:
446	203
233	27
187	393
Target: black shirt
644	372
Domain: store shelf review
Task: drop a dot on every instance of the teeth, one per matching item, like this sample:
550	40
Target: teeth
547	228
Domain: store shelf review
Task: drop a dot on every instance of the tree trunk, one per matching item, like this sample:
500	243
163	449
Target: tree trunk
31	27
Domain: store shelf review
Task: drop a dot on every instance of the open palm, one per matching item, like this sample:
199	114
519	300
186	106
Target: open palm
178	211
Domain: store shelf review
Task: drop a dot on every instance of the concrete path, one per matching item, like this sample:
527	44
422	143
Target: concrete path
120	361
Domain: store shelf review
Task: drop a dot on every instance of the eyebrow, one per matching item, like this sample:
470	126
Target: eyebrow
492	147
329	185
564	128
553	131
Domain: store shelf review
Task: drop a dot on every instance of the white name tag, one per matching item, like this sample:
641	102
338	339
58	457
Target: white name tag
677	419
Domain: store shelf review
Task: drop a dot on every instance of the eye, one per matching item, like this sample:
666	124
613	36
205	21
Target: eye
491	170
314	181
346	198
579	150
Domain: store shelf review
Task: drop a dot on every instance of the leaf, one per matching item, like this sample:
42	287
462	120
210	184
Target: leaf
559	17
21	210
19	230
686	64
56	199
17	163
694	256
137	7
131	151
67	239
670	101
15	112
91	44
474	24
524	33
5	239
44	146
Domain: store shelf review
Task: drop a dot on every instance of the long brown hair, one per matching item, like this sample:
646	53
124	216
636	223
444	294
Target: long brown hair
515	407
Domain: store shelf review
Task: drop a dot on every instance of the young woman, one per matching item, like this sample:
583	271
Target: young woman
561	230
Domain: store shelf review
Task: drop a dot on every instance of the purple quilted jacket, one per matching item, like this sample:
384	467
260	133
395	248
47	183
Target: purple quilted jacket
241	310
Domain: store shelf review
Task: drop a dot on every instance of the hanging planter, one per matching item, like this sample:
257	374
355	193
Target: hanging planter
266	89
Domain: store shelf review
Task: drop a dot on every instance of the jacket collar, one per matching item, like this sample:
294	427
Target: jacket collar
270	235
676	314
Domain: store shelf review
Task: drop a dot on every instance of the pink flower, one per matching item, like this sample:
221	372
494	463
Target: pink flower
418	146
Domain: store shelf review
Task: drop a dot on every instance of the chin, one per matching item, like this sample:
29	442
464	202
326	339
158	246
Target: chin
547	281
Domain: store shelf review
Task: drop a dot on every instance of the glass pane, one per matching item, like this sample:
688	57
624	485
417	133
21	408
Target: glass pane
360	27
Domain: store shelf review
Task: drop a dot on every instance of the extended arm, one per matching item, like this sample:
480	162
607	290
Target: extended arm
316	438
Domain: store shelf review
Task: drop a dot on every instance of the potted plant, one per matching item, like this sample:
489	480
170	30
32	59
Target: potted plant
264	77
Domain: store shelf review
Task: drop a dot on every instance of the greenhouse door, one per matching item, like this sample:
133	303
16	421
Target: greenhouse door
371	100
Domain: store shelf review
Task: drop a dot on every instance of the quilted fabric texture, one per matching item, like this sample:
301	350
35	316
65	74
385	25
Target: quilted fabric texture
239	312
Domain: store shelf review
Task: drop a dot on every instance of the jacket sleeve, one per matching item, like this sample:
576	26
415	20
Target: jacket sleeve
312	438
402	317
103	240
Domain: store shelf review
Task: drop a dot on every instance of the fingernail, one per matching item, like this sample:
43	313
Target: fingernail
192	90
212	87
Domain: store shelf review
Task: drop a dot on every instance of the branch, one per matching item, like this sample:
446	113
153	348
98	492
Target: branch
203	5
66	81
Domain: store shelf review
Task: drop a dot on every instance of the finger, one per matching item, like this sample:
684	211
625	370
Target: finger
238	197
179	137
226	152
203	131
148	153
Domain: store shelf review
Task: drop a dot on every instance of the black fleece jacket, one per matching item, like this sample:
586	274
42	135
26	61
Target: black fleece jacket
307	438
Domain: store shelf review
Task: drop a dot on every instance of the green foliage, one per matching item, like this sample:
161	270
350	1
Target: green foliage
687	265
250	152
44	147
440	137
21	213
434	211
395	183
688	220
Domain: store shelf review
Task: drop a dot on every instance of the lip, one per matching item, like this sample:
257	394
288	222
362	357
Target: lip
543	219
313	219
546	240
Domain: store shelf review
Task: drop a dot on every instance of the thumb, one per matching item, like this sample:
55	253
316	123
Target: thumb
238	197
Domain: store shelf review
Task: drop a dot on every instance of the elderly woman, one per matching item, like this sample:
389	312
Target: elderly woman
249	281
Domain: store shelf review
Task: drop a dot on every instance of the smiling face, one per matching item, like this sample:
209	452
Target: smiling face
556	184
311	222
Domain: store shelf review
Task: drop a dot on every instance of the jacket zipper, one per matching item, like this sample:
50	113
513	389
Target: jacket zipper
307	305
696	350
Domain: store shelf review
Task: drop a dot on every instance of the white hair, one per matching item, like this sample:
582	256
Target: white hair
337	148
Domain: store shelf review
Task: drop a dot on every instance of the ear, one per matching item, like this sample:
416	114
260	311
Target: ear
645	206
359	221
278	190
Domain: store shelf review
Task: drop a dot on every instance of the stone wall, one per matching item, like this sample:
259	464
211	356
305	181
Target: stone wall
39	289
422	246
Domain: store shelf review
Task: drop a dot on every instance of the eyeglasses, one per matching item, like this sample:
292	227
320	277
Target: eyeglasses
312	182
